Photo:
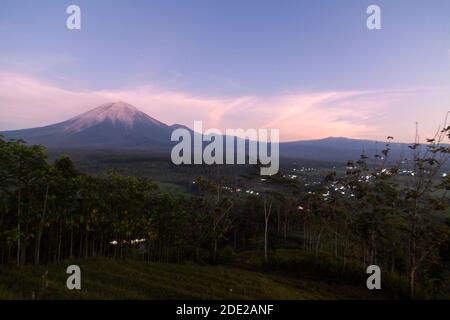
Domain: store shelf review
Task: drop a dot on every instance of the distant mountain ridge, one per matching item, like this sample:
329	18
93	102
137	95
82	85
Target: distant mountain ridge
121	126
341	149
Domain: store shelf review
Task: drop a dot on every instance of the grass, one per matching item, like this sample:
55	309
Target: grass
323	274
130	279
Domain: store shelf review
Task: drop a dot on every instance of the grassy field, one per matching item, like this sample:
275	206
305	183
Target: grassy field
130	279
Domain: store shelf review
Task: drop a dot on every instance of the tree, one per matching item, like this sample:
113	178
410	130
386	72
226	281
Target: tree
216	210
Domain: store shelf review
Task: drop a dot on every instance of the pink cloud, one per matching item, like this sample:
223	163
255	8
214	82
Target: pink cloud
28	102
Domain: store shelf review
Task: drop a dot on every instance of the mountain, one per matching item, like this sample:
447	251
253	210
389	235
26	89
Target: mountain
121	126
117	125
340	149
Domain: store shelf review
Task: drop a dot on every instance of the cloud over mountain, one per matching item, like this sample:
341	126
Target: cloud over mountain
29	102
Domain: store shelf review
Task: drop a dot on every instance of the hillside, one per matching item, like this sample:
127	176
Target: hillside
113	279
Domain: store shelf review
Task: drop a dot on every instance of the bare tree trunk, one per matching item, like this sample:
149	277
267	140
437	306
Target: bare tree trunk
71	245
41	226
413	252
318	241
59	245
304	236
267	212
86	246
336	243
18	228
265	240
215	251
412	268
412	278
80	252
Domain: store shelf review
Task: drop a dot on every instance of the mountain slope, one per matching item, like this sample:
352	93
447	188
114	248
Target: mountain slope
115	125
121	126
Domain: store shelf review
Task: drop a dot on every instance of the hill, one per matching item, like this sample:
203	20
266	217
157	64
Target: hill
130	279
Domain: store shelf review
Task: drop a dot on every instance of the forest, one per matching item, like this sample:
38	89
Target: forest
370	214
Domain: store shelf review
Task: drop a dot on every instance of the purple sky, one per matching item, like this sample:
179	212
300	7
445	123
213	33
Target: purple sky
310	68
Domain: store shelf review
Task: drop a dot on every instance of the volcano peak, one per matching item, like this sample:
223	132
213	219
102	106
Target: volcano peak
117	113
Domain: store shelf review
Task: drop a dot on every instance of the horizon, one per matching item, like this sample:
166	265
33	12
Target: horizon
232	65
191	127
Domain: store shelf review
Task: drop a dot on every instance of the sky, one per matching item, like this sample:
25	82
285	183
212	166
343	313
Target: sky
309	68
